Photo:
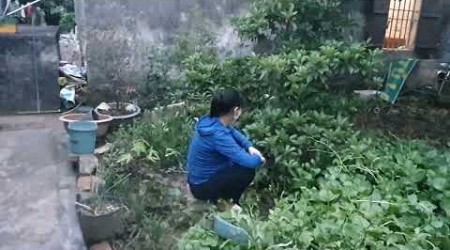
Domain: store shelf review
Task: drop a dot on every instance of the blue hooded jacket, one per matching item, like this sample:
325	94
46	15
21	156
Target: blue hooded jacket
216	147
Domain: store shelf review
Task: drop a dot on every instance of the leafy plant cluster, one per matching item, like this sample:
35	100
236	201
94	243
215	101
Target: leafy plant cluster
157	208
334	187
58	12
143	168
342	190
331	187
161	142
283	79
292	24
165	81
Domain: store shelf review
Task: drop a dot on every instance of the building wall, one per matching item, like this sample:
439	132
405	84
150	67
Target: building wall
117	35
358	11
29	70
445	36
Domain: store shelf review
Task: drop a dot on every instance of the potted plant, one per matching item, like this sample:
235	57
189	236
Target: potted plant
101	218
121	110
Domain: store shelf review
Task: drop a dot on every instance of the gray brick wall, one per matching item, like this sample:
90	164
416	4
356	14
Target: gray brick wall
19	55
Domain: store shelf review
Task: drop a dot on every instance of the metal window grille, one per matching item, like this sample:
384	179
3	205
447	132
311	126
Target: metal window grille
402	24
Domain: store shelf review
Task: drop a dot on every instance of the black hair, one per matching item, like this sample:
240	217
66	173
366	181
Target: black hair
224	102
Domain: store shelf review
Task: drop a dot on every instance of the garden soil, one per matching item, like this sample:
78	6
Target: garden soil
409	121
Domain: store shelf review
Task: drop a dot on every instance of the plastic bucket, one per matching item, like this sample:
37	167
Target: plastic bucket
82	137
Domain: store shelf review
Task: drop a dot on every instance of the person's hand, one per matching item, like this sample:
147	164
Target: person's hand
263	159
254	151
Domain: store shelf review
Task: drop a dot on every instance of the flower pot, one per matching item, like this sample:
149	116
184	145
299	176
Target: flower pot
100	227
103	123
121	119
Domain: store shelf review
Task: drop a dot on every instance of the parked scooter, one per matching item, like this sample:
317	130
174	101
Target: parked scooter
443	84
437	92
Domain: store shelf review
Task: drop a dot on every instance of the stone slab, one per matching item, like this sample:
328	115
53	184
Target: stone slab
37	187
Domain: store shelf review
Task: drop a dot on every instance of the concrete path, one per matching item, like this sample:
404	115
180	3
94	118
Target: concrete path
37	186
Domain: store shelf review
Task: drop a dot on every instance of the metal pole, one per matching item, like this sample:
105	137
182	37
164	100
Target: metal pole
392	23
33	58
8	2
412	22
403	27
23	7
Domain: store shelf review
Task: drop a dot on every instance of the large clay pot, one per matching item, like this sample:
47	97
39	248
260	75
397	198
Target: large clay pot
121	119
103	122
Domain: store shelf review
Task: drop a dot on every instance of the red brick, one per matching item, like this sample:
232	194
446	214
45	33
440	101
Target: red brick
84	183
101	246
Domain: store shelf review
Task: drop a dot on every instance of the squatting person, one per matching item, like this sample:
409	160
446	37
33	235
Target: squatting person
221	160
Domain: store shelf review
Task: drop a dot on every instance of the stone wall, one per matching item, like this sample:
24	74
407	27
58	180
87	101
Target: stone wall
357	9
29	70
117	35
445	39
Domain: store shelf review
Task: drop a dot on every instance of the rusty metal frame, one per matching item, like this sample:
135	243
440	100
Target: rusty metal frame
402	15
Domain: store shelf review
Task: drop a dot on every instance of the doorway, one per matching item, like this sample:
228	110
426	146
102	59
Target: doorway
402	24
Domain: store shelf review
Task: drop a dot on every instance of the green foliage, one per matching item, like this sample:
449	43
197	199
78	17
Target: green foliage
292	24
287	79
159	85
155	203
58	12
344	190
327	185
339	189
293	120
154	141
67	23
165	82
143	169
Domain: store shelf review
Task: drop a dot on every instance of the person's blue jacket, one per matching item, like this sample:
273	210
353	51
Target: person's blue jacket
216	147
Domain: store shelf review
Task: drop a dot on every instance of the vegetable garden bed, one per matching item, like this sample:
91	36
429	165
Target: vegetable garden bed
328	183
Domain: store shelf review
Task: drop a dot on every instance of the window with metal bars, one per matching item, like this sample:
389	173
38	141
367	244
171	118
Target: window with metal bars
402	24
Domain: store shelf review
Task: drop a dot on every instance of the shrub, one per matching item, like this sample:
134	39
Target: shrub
292	24
288	79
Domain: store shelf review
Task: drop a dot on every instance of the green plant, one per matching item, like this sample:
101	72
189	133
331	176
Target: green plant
326	185
57	12
288	79
116	68
163	82
352	192
162	143
67	23
291	24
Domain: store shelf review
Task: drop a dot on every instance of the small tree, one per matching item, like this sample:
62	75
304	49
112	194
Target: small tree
116	66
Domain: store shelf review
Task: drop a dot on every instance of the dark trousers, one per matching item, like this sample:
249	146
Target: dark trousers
229	184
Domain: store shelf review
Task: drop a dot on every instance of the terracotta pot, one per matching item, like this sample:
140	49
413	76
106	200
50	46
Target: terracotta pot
122	119
103	123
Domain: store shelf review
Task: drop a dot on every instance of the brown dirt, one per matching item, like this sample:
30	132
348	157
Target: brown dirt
115	112
410	121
